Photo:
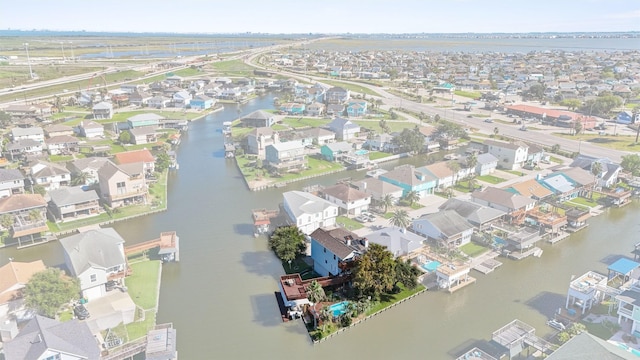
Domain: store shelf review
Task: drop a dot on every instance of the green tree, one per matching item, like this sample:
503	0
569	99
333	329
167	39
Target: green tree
555	148
471	161
472	183
436	118
450	130
387	202
80	178
48	290
536	92
572	104
596	169
454	166
409	140
374	273
39	189
577	127
325	316
406	274
631	163
400	218
383	126
287	242
412	197
496	131
162	162
124	137
315	292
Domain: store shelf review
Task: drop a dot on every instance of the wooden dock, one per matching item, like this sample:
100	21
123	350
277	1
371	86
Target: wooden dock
521	255
468	281
555	239
487	266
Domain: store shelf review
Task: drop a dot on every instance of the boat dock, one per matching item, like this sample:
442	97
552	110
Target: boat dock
487	266
463	282
535	251
563	235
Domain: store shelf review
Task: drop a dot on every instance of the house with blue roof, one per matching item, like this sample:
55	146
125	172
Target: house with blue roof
410	179
561	185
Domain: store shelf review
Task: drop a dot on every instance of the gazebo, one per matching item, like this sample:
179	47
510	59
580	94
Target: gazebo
622	267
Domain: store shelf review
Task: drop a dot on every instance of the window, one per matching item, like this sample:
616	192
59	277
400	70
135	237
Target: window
324	250
54	357
334	257
94	278
121	188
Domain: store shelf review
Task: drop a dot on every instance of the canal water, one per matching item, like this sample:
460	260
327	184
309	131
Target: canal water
221	299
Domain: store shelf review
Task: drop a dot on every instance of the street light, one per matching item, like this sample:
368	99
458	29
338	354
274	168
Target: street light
62	46
26	47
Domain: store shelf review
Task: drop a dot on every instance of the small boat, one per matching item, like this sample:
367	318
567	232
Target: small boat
556	324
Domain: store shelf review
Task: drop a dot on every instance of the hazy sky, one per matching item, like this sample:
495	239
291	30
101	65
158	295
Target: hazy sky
323	16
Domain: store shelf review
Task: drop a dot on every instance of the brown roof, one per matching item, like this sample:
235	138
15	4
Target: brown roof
440	169
16	273
134	156
345	193
335	241
21	202
532	188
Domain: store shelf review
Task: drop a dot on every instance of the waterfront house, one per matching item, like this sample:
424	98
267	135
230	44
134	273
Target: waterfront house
144	120
343	128
11	182
336	151
135	156
63	144
102	110
357	108
44	338
588	290
292	108
486	164
14	276
481	217
28	212
258	119
445	177
293	291
309	212
91	129
22	149
331	248
446	228
259	138
73	202
563	187
511	156
49	175
410	179
89	165
95	257
397	241
381	142
202	102
31	133
21	111
335	109
378	189
514	205
122	184
351	202
453	275
584	180
318	136
586	345
58	130
530	188
181	99
143	135
608	176
285	156
629	309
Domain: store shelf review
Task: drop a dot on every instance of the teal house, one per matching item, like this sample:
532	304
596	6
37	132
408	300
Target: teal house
201	102
141	120
411	179
335	151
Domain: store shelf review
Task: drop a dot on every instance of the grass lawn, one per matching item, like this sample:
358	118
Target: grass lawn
373	155
305	122
462	186
491	179
187	72
349	224
468	94
584	201
514	172
124	115
233	67
142	285
617	142
602	330
388	299
351	87
62	158
138	329
316	167
481	115
473	249
555	160
65	315
388	215
278	127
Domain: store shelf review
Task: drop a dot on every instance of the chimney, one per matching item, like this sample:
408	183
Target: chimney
348	239
366	243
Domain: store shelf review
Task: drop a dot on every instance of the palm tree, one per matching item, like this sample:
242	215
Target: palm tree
454	166
6	221
472	183
412	197
80	178
315	292
325	316
387	202
596	169
496	131
400	218
472	161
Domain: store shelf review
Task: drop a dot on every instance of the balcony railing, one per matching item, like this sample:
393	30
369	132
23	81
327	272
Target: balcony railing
624	311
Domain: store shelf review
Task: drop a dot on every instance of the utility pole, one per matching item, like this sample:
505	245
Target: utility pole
26	47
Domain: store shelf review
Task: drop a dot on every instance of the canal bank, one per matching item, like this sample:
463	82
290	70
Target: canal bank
220	296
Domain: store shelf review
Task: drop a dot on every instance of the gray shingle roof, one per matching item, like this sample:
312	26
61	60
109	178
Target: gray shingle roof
94	248
474	213
335	241
588	347
502	197
345	193
396	241
72	195
41	334
301	203
447	222
10	175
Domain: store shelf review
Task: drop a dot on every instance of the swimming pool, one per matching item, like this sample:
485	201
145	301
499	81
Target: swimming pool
629	349
498	241
338	309
362	152
431	265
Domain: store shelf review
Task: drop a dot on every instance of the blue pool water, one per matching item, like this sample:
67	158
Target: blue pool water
498	241
338	308
362	152
627	348
431	265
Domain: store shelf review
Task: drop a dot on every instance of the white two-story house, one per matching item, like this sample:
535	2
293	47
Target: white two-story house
511	156
351	201
308	211
445	227
11	182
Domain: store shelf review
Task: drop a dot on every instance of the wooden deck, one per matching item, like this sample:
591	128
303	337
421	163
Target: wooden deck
516	255
562	236
487	266
468	281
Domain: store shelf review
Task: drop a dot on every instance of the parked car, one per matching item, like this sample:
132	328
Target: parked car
361	218
489	120
81	312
